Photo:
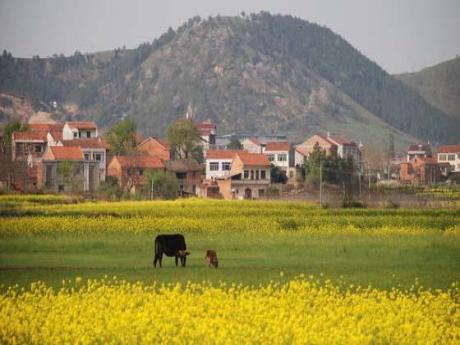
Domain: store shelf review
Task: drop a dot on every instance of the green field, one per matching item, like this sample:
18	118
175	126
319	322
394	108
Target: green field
52	239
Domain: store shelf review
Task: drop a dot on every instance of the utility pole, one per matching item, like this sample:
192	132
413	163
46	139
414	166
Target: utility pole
320	183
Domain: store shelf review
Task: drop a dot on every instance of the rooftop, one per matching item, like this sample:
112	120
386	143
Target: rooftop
140	161
253	159
183	165
64	153
30	136
222	154
82	124
93	143
449	149
278	146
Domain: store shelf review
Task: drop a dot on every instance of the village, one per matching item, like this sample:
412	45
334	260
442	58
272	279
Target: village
73	157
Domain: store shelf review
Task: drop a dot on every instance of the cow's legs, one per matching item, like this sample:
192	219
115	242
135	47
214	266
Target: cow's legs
182	260
176	259
158	258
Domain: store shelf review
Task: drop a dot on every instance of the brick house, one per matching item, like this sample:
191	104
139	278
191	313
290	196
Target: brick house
188	173
130	170
64	169
450	154
249	177
282	155
420	170
155	147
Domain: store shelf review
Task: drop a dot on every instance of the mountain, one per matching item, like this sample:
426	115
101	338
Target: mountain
439	85
259	73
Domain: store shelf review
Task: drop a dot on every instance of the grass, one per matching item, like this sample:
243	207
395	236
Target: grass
255	242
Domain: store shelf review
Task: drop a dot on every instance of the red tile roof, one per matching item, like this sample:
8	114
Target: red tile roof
50	127
449	149
66	153
82	124
254	159
222	154
140	162
278	146
93	143
30	136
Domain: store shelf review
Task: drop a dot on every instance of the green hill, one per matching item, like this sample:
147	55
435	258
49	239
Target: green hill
260	73
439	85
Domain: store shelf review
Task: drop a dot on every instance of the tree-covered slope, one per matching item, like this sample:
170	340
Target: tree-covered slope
439	85
260	73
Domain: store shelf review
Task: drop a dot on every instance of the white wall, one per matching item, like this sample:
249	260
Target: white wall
454	163
217	173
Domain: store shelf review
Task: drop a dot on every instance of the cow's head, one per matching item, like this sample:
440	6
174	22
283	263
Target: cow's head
183	253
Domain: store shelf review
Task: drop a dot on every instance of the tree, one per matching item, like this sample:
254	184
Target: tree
277	175
8	130
315	159
185	140
234	144
159	185
121	137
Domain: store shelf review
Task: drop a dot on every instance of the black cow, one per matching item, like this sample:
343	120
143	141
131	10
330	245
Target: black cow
170	245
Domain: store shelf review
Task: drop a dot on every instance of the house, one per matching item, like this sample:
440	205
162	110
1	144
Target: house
208	134
300	158
130	170
79	129
64	169
253	145
420	170
331	144
28	145
450	154
94	149
188	173
281	154
218	163
155	147
249	177
418	151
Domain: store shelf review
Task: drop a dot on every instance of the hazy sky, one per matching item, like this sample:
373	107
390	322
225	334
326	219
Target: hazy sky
400	35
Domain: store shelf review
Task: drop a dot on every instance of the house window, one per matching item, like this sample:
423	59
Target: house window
214	166
87	156
88	134
38	149
75	134
61	188
442	157
252	174
98	157
141	171
225	166
261	193
271	158
282	157
257	174
246	174
263	175
450	157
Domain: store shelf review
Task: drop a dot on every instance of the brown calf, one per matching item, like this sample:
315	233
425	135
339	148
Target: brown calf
211	258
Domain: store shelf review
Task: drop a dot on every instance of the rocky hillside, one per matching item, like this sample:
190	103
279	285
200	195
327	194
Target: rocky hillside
439	85
260	73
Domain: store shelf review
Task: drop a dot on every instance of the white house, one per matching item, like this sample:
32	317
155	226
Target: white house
218	163
450	154
79	129
94	149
